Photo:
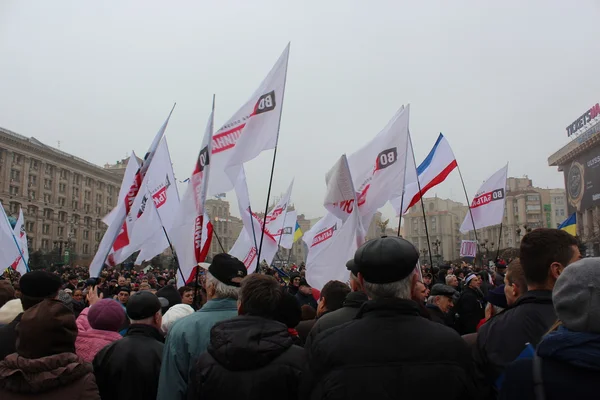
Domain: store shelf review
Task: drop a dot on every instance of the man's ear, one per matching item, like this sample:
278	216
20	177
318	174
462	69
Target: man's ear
556	269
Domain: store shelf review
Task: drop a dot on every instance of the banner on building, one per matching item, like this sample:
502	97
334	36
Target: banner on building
468	248
582	181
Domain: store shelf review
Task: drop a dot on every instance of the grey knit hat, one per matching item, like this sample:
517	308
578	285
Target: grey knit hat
576	296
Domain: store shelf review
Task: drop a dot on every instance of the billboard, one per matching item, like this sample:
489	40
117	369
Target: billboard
582	181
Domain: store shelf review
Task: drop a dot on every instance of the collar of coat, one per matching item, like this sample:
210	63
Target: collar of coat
219	305
391	306
145	330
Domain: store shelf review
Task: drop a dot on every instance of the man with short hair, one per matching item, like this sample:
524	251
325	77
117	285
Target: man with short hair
500	273
515	284
389	351
129	368
544	254
122	281
72	284
253	351
123	295
332	298
440	302
35	287
189	337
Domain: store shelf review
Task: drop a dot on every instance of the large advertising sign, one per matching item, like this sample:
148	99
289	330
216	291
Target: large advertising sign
582	181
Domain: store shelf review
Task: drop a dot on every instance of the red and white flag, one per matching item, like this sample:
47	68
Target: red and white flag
246	246
116	236
334	239
253	129
9	248
21	262
276	217
286	236
132	167
191	231
487	206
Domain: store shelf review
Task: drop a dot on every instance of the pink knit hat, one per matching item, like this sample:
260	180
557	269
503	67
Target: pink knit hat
106	315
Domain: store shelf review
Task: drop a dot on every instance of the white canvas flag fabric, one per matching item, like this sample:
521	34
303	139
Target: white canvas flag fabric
286	235
9	250
436	167
152	210
22	261
487	206
252	129
117	235
335	238
378	168
191	231
276	217
132	167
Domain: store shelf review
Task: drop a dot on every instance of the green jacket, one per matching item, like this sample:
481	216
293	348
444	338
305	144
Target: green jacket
187	339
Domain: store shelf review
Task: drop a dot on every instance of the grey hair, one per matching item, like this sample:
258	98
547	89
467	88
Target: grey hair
448	277
431	299
222	291
401	289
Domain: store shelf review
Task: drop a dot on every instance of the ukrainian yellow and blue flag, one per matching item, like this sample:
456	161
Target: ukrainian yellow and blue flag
570	225
297	232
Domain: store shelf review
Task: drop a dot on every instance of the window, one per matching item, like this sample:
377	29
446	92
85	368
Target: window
17	159
99	198
98	210
64	174
31	194
88	182
32	179
530	207
34	164
98	224
62	188
86	234
533	198
562	212
62	216
98	236
87	221
49	169
74	232
559	200
88	195
76	179
110	189
29	226
14	190
48	184
75	192
109	201
32	210
47	198
61	201
60	231
46	229
14	208
15	174
86	208
75	205
86	248
45	244
557	213
48	213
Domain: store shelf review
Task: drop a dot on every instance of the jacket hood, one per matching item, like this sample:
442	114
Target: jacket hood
580	349
247	342
32	376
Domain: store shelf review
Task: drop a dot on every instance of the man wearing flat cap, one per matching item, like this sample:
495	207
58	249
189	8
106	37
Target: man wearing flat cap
190	336
35	287
440	302
129	368
389	351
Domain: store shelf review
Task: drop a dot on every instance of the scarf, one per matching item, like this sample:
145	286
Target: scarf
580	349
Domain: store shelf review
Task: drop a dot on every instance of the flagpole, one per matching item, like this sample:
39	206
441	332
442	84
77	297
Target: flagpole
254	236
499	239
470	211
15	239
404	186
422	203
218	240
262	233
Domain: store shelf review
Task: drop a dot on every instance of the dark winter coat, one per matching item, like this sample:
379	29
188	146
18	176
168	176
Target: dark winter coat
502	338
470	310
303	299
570	364
248	358
58	377
499	279
389	352
8	337
347	313
129	368
435	314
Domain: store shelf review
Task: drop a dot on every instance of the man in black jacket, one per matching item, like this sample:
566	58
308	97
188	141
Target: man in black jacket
129	368
544	253
389	351
250	356
440	303
35	287
469	308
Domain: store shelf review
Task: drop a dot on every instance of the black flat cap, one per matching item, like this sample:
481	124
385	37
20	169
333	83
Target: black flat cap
228	269
143	305
440	289
384	260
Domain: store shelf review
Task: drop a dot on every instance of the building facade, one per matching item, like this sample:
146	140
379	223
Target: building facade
226	227
63	197
444	218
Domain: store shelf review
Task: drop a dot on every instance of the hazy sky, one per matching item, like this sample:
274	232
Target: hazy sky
501	80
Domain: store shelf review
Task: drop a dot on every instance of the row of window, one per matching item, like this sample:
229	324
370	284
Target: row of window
85	248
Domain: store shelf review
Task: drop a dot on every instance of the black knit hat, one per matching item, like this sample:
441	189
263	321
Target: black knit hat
40	284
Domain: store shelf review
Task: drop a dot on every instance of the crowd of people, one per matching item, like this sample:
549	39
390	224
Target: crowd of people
526	328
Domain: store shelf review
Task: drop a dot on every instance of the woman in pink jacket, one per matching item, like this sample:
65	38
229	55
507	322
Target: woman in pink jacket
98	326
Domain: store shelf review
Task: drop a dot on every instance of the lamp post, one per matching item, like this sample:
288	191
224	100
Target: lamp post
424	252
437	244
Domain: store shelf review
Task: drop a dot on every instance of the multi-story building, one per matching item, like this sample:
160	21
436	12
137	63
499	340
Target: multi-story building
226	227
444	218
527	207
63	197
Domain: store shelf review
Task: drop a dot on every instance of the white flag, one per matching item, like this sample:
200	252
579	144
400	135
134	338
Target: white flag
286	235
333	240
276	217
22	261
252	129
378	168
117	235
154	208
487	206
191	231
9	248
132	167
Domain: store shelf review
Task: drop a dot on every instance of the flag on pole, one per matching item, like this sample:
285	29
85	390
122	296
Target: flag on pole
431	172
132	167
117	235
9	247
487	206
570	225
276	217
22	261
289	230
297	232
253	129
191	231
335	238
